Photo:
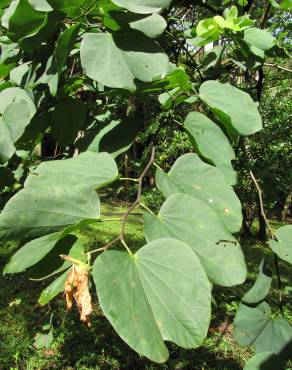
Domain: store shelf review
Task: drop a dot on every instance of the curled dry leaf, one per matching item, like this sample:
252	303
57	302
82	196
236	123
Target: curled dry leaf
76	286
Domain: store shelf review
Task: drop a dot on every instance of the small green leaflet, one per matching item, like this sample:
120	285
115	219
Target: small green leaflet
194	223
260	288
191	175
160	293
257	326
117	60
283	246
234	107
211	143
50	292
93	169
143	6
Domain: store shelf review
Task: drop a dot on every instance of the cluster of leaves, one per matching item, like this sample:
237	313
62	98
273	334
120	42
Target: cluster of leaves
66	66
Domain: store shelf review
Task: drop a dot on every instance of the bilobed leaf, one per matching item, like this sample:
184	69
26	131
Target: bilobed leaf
65	44
160	293
260	288
257	326
117	60
258	38
263	361
92	169
143	6
234	107
68	118
283	246
191	175
50	292
42	210
194	223
211	143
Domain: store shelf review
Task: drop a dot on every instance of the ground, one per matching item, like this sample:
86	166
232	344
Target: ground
75	346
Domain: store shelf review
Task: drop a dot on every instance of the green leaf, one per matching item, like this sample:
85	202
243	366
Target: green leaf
160	293
263	361
258	38
70	7
283	246
257	326
16	109
92	169
284	4
212	57
65	44
191	175
211	143
31	253
260	288
115	137
151	25
194	223
50	76
52	263
233	107
41	5
67	120
117	60
52	290
38	211
43	340
143	6
24	20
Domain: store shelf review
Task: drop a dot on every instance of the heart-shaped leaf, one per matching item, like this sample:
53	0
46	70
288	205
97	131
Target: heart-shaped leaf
160	293
283	247
193	222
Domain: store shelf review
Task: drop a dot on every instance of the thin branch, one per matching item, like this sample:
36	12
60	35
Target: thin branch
278	67
121	236
272	236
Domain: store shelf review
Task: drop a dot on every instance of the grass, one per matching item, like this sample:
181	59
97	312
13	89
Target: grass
77	347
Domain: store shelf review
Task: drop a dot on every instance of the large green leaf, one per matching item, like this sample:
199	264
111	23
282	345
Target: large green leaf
257	326
67	120
258	38
191	175
143	6
234	107
283	246
211	143
92	169
41	210
117	60
16	111
41	5
70	7
160	293
260	288
193	222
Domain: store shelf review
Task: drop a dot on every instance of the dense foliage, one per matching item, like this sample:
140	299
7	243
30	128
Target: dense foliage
93	89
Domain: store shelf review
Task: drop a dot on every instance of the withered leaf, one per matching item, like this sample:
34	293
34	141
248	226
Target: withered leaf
76	286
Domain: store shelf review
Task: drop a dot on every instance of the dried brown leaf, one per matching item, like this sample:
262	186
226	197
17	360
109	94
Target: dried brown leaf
76	286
